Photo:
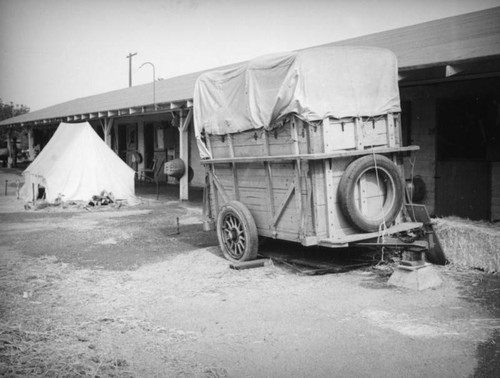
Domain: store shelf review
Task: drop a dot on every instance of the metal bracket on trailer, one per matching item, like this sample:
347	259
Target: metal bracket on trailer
344	241
416	246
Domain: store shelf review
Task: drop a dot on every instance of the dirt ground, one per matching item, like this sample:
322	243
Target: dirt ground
126	293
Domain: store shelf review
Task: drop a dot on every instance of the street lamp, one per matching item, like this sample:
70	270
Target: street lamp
154	79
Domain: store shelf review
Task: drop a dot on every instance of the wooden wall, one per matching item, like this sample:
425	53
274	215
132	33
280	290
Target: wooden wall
422	133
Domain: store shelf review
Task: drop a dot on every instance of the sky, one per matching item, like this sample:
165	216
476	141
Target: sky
52	51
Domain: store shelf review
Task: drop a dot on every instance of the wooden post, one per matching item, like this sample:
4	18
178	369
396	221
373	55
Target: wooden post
213	188
31	143
269	175
10	149
236	191
358	133
391	131
298	176
330	196
184	154
214	209
116	146
107	125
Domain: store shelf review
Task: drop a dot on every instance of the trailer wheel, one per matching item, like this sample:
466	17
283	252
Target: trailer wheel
371	192
237	232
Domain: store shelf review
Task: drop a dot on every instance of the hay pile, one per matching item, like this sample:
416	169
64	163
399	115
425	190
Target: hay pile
471	244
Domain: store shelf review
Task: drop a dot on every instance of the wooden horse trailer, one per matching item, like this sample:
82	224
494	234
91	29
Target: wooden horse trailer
329	182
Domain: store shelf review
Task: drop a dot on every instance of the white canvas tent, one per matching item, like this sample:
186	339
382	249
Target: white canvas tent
77	164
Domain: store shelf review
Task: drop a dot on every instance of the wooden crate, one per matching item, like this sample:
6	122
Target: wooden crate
288	177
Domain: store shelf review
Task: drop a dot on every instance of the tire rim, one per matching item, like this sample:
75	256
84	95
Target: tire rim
374	193
233	235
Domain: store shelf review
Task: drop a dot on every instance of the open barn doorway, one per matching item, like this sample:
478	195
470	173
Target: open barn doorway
467	144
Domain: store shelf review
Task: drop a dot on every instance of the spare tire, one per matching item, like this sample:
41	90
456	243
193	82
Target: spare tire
371	192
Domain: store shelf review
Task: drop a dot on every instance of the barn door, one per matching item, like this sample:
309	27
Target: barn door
462	189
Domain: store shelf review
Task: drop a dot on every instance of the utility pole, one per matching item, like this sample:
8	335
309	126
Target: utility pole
129	57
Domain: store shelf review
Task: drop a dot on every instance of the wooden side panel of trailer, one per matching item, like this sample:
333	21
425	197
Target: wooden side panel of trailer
276	209
288	177
296	137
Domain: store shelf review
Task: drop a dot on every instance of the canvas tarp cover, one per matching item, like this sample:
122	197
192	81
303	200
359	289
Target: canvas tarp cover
313	84
77	164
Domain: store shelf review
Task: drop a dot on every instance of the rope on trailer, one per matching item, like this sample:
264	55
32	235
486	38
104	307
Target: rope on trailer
409	195
382	228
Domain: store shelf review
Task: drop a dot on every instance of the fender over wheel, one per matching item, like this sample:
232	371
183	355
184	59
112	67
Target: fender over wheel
237	232
371	192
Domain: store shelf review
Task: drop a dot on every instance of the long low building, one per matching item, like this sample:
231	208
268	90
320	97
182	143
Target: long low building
450	90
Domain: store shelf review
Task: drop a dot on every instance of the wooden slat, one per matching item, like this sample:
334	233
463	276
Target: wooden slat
233	168
329	196
298	177
375	132
358	134
308	210
269	177
286	158
220	188
214	203
269	187
391	132
279	212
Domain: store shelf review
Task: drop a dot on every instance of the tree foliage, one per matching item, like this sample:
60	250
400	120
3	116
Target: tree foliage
9	110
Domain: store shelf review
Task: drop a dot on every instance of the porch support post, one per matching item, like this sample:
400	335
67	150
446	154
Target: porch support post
116	146
107	125
31	143
10	149
184	154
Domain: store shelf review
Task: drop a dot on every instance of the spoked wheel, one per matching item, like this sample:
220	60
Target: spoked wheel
237	232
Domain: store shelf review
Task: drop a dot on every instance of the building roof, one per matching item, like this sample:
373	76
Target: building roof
447	43
449	40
